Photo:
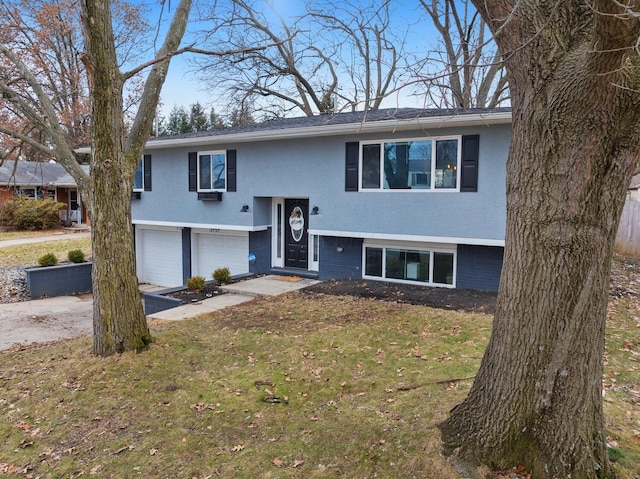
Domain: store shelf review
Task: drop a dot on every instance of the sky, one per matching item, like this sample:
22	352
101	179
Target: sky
182	87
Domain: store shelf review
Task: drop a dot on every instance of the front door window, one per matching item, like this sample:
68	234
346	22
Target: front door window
296	237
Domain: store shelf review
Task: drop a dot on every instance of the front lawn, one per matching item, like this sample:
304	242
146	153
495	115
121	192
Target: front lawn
28	254
298	386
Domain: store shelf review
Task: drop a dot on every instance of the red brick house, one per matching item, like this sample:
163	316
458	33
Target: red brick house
34	179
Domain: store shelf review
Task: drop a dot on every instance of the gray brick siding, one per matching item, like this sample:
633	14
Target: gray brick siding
479	267
335	264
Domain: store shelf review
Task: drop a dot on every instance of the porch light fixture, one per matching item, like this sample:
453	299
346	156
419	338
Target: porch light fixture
244	209
315	210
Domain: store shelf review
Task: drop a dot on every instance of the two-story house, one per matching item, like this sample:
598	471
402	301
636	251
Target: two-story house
406	195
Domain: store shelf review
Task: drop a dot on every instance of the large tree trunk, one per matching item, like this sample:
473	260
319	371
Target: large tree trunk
537	398
119	322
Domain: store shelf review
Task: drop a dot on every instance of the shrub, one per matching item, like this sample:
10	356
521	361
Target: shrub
48	259
31	214
222	275
76	256
195	283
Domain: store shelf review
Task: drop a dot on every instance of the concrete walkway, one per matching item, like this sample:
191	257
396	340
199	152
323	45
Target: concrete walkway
67	235
237	293
51	319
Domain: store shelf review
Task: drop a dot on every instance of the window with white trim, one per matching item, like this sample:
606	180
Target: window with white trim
39	192
423	264
421	164
138	179
212	168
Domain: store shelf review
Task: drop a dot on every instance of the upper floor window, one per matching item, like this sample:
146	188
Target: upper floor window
142	178
138	180
212	166
425	164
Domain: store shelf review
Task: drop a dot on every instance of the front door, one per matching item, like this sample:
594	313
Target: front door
296	237
74	208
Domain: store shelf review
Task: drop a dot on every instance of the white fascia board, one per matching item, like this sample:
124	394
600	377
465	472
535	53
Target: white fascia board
481	119
202	226
382	126
410	238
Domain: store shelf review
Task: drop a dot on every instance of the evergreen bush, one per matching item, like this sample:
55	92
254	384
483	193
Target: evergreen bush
31	214
48	259
196	283
222	275
76	256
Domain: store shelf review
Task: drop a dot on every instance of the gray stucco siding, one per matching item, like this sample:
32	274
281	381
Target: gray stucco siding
314	168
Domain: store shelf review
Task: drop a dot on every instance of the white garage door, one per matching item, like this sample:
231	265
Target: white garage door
211	251
159	256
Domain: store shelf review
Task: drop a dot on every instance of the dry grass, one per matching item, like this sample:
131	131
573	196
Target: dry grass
288	387
190	407
28	254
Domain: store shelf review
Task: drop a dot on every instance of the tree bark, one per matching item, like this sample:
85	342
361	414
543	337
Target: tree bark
119	323
537	399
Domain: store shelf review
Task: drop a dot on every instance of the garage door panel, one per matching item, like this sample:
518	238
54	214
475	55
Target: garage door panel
213	251
159	257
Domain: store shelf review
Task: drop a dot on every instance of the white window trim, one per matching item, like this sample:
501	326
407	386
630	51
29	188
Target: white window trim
38	192
431	247
434	139
277	261
314	242
212	153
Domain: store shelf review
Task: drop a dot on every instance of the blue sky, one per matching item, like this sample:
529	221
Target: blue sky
183	89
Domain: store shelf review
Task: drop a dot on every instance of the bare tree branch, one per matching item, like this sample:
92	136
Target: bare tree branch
473	66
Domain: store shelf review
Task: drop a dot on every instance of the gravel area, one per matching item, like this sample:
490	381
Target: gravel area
13	287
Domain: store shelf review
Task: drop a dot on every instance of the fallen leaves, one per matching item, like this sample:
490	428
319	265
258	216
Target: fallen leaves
201	406
282	463
130	447
515	473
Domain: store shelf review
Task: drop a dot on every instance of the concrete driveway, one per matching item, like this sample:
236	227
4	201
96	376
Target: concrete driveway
50	319
44	320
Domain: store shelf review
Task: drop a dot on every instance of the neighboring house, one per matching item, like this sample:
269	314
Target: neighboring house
628	235
33	179
404	195
633	192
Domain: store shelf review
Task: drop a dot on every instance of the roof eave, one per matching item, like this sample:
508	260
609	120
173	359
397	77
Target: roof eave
475	119
483	119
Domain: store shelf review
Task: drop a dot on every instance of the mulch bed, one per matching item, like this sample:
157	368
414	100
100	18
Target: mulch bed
443	298
187	296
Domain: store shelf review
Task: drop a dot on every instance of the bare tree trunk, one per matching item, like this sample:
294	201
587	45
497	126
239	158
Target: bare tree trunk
118	318
119	322
537	400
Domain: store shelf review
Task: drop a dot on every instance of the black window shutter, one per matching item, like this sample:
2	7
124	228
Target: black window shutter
146	168
231	170
470	154
351	166
193	171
